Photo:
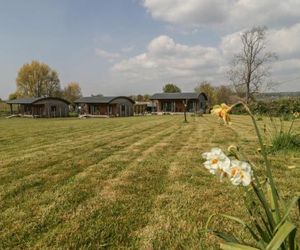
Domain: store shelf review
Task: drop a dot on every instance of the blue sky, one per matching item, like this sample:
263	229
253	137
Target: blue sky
135	46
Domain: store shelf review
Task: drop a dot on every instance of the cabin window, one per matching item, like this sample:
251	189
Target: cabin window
53	108
191	106
168	106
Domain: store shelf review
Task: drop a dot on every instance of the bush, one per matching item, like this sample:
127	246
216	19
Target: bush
285	141
284	138
282	107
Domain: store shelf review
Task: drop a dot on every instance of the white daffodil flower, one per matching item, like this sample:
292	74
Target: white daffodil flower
239	173
216	162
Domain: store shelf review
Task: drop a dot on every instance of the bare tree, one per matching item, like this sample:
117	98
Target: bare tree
250	69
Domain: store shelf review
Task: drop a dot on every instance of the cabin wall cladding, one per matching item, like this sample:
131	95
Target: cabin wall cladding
52	108
124	107
202	102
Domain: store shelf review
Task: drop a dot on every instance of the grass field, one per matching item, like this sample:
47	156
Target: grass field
121	183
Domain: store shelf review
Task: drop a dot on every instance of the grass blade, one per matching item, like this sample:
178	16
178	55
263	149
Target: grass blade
242	223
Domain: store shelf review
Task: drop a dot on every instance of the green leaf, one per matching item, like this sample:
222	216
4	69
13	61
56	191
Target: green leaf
222	235
265	205
292	240
236	246
242	223
264	234
265	224
291	204
281	235
272	202
226	236
208	221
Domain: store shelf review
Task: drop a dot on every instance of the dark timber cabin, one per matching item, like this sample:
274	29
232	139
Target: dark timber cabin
175	102
106	106
41	107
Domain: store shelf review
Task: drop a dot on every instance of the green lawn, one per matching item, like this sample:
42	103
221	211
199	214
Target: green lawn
131	182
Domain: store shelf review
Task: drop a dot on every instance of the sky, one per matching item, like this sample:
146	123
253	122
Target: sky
123	47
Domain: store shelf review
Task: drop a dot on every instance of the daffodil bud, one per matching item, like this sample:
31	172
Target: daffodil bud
233	149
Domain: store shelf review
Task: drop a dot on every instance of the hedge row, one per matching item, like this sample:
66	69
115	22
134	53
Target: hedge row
280	107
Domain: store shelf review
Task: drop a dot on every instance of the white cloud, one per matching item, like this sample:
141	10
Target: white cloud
273	13
193	12
167	60
106	55
231	44
231	13
286	41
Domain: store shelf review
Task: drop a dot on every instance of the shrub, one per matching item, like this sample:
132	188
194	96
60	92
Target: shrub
282	138
285	141
282	107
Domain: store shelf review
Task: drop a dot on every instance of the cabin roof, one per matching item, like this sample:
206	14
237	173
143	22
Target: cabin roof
34	100
101	99
175	96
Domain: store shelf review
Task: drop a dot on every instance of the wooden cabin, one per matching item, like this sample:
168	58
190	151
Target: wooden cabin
40	107
107	106
175	102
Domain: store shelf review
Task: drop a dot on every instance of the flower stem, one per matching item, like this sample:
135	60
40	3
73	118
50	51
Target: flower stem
265	157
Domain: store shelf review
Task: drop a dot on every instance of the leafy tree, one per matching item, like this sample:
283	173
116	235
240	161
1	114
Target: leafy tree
210	91
250	68
146	98
140	98
171	88
13	96
37	79
72	92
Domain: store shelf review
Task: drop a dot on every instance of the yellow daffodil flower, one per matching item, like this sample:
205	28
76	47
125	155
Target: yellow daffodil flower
222	111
